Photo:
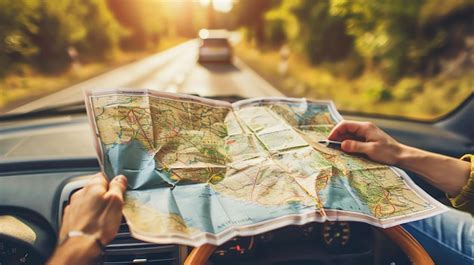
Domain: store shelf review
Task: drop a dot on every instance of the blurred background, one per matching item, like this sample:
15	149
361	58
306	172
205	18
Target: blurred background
411	58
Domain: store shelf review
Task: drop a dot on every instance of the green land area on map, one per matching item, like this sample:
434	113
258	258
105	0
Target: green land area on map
203	168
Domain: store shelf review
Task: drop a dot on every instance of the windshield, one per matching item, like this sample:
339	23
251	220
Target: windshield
405	58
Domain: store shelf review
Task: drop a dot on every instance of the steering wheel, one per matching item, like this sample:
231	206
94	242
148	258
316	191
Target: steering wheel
414	251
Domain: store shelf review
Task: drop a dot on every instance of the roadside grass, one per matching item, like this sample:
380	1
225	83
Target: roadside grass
412	97
17	89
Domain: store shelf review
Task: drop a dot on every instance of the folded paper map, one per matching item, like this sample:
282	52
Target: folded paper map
203	171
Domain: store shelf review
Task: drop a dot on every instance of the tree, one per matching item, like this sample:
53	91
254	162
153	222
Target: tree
383	29
103	31
40	32
310	28
17	24
250	14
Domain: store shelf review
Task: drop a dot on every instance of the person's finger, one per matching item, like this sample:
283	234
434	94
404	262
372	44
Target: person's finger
97	184
76	195
117	188
119	182
343	129
351	146
350	128
99	179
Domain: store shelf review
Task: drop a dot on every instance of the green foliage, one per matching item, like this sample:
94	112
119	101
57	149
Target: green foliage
85	24
375	90
429	97
275	32
324	36
434	10
40	32
383	30
59	27
103	31
284	16
392	38
309	27
407	88
251	14
17	23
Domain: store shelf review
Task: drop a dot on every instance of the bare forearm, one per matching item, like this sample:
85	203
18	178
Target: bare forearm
447	174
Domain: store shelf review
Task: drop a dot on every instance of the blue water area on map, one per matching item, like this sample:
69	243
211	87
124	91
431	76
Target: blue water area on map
133	161
311	111
217	212
162	199
203	208
339	195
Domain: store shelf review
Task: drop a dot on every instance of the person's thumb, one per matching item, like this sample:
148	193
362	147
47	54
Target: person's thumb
117	188
351	146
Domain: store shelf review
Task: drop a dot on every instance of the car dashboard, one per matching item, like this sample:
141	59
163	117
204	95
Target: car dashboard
34	191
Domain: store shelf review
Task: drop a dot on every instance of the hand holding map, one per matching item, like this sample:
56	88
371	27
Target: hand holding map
376	144
203	171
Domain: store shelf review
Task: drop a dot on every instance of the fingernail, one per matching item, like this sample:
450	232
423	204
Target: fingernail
121	178
345	145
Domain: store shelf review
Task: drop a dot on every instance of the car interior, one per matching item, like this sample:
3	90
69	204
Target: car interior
39	172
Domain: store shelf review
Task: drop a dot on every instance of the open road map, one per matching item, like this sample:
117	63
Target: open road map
203	171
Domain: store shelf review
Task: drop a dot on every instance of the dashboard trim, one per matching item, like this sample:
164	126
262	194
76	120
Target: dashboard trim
73	185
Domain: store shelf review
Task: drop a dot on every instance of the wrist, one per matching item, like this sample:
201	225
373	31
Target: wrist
77	250
413	159
404	155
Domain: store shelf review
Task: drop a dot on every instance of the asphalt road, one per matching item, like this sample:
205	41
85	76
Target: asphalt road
173	70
